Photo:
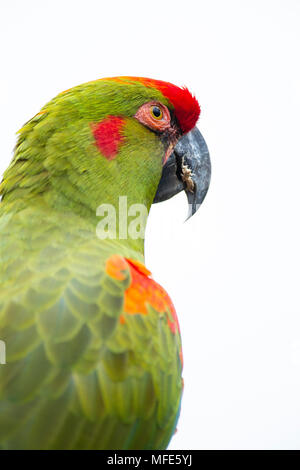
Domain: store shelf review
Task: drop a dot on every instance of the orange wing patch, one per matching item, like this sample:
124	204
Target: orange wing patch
115	267
143	290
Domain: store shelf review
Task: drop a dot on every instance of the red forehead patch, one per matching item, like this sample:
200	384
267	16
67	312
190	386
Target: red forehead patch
108	136
186	106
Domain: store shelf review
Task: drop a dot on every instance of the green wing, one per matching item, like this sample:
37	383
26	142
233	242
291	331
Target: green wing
77	377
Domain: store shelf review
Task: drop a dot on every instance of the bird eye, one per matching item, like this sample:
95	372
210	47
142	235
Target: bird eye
156	112
154	115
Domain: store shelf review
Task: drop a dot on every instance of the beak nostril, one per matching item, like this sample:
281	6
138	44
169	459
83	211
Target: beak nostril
186	175
188	169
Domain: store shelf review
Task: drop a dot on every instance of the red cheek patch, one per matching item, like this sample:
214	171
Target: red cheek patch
108	136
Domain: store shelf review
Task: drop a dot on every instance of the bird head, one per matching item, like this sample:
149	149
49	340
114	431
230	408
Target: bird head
115	136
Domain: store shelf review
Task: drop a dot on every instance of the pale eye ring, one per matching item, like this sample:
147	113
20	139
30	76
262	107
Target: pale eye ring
154	115
156	112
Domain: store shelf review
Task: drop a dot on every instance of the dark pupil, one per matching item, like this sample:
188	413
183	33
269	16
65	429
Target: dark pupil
156	111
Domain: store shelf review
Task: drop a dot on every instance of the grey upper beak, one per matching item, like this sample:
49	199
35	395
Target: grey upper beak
188	168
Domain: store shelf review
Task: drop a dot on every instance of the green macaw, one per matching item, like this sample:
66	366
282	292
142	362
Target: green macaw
93	349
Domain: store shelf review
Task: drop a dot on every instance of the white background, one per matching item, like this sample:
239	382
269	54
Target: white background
233	270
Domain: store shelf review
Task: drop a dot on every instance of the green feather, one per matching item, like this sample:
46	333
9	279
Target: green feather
76	376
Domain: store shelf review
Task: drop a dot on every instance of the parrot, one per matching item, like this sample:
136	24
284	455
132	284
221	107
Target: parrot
92	341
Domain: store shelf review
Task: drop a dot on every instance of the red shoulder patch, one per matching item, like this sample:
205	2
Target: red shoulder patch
143	290
116	267
108	136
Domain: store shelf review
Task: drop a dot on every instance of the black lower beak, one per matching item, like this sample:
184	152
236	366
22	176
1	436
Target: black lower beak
187	168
